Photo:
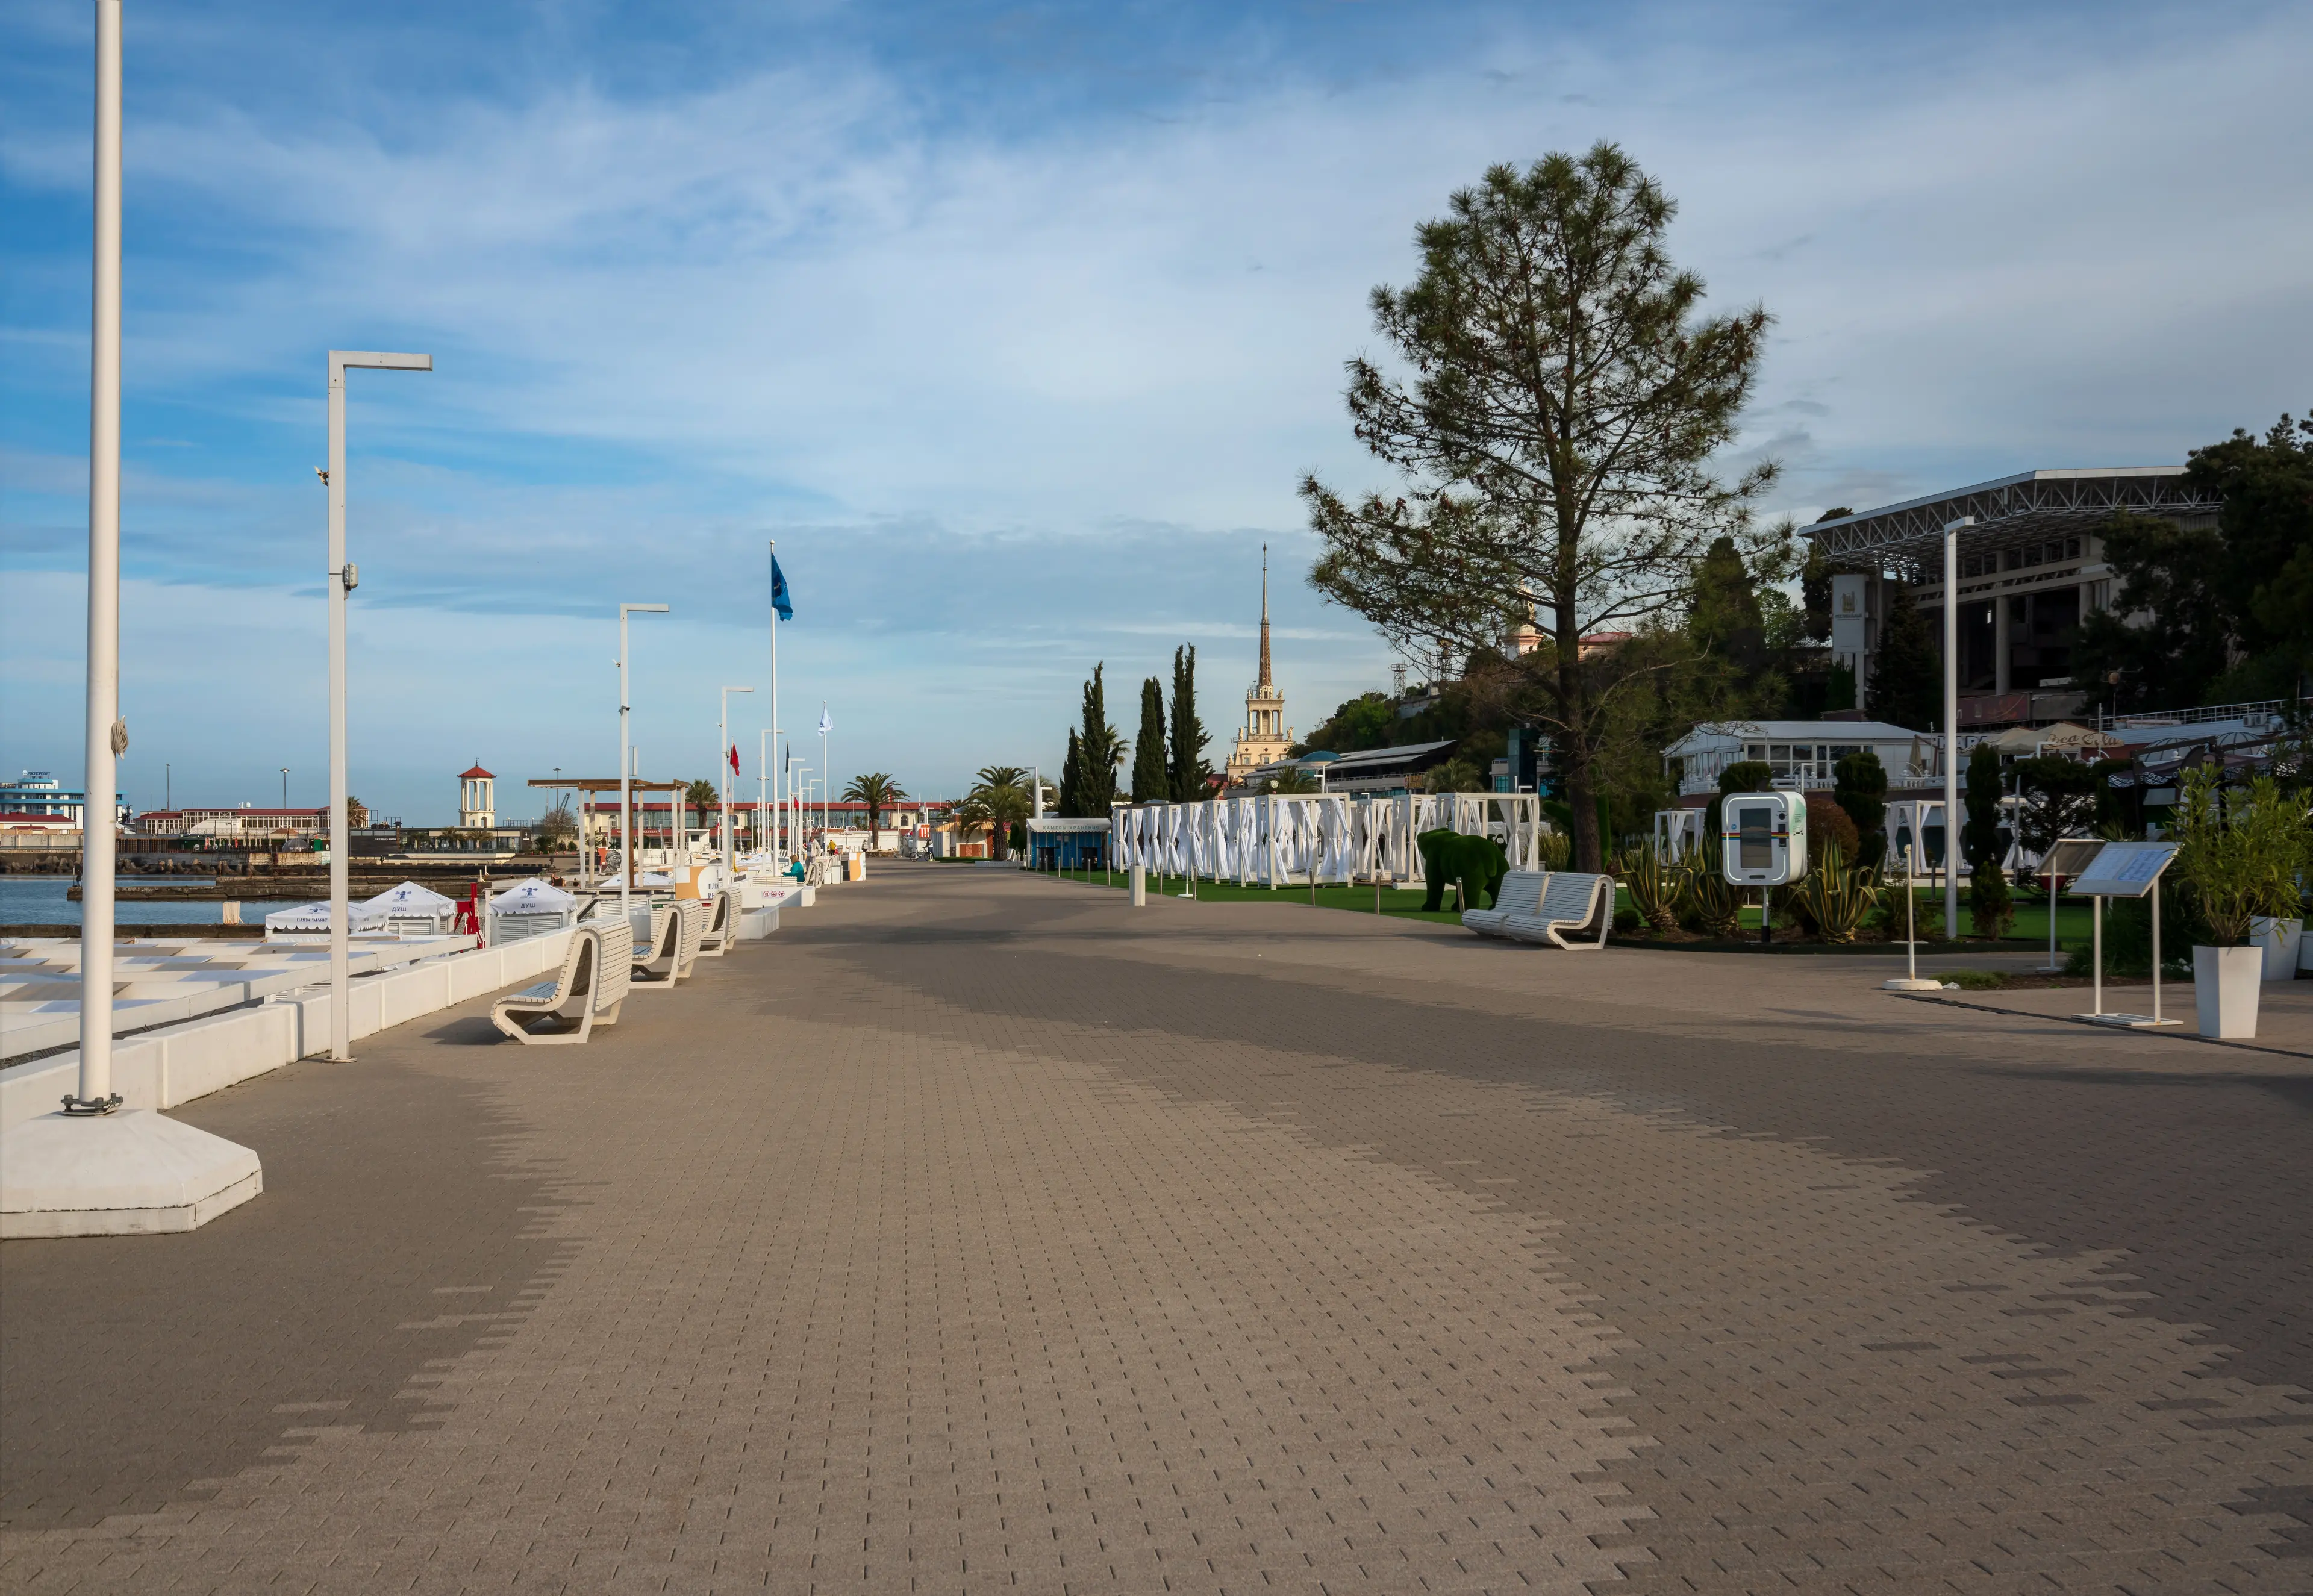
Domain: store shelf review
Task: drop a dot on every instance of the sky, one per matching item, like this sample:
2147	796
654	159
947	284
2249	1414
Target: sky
1016	326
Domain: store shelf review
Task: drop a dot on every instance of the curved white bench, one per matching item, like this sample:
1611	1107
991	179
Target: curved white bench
657	963
714	939
1569	902
567	1000
1520	894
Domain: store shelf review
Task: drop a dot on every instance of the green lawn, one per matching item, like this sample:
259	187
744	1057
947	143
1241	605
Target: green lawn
1405	902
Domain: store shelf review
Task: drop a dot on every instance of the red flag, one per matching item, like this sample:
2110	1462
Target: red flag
735	758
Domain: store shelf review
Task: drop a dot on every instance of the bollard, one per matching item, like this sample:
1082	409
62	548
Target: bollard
1140	886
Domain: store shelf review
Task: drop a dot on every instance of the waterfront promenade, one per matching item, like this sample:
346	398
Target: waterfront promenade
978	1232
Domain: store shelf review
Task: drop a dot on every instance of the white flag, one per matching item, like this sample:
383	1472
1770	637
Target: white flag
825	724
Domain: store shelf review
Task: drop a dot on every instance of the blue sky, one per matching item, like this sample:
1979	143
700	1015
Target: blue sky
1016	326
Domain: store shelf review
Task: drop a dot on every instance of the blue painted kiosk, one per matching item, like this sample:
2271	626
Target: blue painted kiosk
1057	843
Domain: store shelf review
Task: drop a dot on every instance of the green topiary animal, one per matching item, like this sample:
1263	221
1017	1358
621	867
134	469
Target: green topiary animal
1477	862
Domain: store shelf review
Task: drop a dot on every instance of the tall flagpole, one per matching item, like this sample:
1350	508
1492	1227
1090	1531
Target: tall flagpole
107	737
771	547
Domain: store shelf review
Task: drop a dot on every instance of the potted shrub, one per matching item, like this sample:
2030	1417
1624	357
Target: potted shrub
2240	861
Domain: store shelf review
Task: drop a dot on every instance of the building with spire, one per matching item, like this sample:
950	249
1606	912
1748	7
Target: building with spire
1264	737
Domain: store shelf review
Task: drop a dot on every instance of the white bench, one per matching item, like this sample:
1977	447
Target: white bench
691	919
592	986
1571	902
1520	894
714	939
656	964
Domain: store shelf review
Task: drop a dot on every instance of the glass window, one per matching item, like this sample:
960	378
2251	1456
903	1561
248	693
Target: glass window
2071	548
1779	753
2031	557
1754	827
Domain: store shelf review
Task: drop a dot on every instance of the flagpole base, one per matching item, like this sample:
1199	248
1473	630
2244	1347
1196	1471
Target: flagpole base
131	1173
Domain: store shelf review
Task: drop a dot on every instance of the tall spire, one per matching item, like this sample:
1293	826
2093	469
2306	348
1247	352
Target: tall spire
1264	618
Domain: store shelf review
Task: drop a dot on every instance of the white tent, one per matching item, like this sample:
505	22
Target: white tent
310	919
533	897
410	901
530	908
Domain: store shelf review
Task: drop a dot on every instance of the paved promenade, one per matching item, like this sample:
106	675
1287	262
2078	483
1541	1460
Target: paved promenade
980	1232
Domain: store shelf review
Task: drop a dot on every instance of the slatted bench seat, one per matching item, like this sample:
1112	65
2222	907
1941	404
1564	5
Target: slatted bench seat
691	917
1571	902
657	963
714	937
1520	894
569	1002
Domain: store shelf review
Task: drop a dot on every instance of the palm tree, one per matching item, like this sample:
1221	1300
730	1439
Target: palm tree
1007	805
1002	776
701	797
878	792
968	813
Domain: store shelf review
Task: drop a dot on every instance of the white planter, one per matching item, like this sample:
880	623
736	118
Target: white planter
2282	942
2224	991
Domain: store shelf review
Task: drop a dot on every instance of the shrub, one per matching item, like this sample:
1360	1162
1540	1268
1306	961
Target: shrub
1653	885
1837	895
1861	791
1829	827
1711	898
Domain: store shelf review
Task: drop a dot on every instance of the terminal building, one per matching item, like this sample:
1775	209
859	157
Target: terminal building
2031	568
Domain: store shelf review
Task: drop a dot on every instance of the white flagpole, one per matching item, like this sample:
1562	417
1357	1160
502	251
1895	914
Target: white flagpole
771	549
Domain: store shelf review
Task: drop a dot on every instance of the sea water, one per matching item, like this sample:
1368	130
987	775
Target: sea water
40	900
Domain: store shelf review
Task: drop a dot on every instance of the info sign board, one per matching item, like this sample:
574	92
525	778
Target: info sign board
2124	869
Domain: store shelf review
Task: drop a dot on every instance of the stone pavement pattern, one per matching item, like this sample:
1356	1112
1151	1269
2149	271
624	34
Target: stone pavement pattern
977	1232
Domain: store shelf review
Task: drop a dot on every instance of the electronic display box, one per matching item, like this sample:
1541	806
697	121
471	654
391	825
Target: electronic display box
1762	838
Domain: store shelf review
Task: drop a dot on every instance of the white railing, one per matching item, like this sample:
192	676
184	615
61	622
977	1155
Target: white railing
2271	711
1296	839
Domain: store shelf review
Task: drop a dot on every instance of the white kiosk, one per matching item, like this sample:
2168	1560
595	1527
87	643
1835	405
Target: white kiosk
2125	870
1763	843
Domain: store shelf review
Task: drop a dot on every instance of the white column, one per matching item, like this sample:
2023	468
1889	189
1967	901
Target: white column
103	705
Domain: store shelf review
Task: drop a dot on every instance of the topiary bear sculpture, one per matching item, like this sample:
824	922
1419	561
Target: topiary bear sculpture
1478	863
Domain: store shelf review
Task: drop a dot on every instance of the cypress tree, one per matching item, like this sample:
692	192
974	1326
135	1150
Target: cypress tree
1907	678
1152	781
1189	739
1096	745
1990	905
1860	786
1071	803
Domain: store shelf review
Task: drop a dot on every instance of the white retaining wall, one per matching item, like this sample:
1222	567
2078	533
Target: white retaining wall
162	1068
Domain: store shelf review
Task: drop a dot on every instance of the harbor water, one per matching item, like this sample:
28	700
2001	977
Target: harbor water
40	900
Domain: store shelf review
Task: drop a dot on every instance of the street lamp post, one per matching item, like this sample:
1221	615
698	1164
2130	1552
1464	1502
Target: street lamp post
342	577
1951	723
626	769
725	753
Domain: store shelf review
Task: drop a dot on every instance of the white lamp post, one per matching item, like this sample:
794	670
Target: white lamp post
89	1170
342	577
1952	531
723	762
625	767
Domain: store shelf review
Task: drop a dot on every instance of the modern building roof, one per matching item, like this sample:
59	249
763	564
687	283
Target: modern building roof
2007	510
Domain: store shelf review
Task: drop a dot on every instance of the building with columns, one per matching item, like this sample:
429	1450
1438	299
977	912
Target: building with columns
1265	736
2031	568
477	808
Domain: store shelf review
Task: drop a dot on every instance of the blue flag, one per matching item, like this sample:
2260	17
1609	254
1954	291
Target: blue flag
779	600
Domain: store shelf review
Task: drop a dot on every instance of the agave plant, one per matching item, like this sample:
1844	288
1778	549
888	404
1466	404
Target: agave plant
1711	898
1557	850
1837	895
1654	882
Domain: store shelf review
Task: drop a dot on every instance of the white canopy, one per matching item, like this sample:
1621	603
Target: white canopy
533	897
315	917
409	900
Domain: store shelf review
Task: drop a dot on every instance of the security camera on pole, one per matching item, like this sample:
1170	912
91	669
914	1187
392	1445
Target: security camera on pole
99	1167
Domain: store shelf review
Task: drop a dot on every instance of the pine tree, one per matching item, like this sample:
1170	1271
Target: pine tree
1152	783
1189	739
1907	679
1071	802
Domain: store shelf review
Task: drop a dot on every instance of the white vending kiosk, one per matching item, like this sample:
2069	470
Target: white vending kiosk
1763	843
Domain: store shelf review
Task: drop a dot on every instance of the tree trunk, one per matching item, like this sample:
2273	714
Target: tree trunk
1573	750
